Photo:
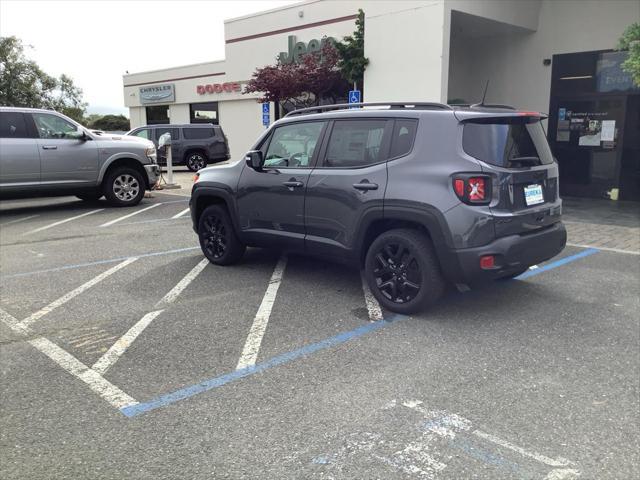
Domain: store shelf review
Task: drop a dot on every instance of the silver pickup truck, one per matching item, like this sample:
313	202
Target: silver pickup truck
44	153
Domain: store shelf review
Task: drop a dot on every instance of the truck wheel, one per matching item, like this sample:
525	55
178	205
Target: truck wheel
196	161
124	187
403	272
218	239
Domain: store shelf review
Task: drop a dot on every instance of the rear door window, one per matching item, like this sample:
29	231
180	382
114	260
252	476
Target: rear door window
13	125
198	133
512	142
355	143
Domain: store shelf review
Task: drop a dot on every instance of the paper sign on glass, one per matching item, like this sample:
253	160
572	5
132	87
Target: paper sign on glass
608	130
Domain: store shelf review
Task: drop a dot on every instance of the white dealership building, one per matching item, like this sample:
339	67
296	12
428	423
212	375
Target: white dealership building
553	56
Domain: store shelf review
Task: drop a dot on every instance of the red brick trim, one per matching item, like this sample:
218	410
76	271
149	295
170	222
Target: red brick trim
176	79
291	29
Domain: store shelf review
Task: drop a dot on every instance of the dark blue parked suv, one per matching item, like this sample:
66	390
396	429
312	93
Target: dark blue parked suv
416	194
193	145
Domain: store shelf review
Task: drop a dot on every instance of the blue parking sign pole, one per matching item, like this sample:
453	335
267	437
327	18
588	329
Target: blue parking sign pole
265	114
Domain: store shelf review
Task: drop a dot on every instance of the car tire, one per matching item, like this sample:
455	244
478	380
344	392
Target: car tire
218	239
403	272
196	161
90	196
124	187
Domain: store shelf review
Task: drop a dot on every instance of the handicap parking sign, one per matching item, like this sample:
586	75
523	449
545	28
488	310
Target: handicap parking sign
265	107
265	114
354	97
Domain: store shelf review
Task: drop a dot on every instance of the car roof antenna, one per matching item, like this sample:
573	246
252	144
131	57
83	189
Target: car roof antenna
484	95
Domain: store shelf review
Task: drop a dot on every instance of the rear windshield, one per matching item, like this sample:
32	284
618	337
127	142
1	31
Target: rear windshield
196	133
511	142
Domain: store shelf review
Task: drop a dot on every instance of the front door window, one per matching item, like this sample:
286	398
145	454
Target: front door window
293	146
52	127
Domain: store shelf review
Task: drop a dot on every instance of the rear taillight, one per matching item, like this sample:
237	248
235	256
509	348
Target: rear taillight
472	189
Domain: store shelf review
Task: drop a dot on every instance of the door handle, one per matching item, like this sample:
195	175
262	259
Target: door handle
364	186
49	147
293	184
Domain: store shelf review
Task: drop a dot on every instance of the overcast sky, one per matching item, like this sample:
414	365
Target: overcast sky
96	41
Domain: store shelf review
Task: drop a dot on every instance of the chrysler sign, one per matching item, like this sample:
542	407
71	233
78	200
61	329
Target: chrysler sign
158	94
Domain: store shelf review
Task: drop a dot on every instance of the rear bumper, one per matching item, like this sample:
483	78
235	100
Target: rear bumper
512	254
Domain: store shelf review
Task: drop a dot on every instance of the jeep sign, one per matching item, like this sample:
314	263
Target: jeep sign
298	49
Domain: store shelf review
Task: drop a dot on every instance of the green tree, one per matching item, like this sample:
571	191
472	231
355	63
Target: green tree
110	123
24	84
352	62
630	41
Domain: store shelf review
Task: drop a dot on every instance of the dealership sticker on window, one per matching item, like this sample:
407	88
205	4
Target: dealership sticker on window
533	194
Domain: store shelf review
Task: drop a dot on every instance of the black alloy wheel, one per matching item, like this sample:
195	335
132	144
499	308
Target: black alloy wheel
215	239
196	161
217	236
397	275
403	271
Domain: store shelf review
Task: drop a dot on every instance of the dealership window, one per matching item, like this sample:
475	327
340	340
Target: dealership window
206	112
157	115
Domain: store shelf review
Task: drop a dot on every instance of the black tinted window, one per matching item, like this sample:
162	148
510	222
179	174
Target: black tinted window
511	143
404	133
172	131
355	143
13	125
196	133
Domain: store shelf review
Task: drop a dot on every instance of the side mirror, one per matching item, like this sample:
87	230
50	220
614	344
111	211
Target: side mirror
77	135
254	159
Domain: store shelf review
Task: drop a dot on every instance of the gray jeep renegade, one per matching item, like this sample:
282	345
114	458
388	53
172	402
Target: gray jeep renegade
417	194
44	153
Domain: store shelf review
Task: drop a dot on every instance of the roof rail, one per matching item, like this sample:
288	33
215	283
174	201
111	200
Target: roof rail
391	105
491	105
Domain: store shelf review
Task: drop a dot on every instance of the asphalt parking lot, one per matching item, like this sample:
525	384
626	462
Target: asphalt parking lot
124	355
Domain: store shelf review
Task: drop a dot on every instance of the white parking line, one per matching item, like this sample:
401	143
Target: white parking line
178	215
71	364
254	339
17	220
129	215
373	307
117	349
75	367
560	462
182	284
55	224
77	291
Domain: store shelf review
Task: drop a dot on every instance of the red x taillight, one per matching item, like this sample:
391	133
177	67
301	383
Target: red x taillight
472	189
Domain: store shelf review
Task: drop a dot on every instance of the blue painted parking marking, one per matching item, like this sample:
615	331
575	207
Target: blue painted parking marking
558	263
206	385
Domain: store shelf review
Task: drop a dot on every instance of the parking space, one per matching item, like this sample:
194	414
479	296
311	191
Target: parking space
115	333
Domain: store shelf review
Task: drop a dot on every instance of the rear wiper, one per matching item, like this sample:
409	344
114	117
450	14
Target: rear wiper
525	160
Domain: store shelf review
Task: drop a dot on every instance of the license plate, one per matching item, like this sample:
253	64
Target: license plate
533	194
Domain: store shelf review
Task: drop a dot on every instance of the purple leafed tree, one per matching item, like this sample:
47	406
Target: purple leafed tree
314	80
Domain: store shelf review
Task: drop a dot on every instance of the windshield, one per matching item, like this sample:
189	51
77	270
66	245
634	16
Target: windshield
512	142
